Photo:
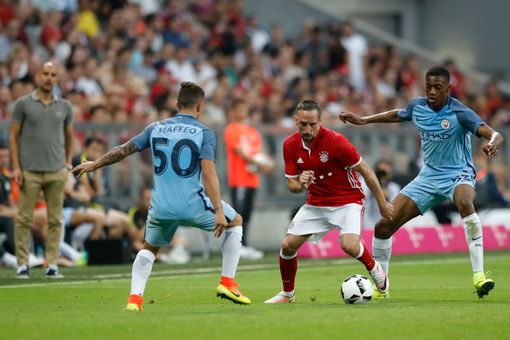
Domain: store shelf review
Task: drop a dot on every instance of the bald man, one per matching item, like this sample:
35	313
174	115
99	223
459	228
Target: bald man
40	140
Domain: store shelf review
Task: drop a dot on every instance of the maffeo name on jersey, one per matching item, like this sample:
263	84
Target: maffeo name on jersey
178	128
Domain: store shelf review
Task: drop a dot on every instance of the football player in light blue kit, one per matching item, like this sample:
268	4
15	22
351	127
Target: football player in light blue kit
445	126
182	154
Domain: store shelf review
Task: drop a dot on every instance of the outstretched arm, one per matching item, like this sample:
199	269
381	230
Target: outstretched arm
385	208
115	155
383	117
495	140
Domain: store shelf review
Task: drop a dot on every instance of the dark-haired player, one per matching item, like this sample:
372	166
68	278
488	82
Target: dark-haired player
445	126
325	163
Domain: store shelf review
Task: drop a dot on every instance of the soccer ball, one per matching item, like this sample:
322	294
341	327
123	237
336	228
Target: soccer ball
356	289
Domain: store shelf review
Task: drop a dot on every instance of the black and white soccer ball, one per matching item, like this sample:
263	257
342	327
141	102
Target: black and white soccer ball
356	289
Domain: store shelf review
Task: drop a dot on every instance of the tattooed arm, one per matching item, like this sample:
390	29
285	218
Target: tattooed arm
115	155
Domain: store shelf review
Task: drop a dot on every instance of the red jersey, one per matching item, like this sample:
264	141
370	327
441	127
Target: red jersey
331	156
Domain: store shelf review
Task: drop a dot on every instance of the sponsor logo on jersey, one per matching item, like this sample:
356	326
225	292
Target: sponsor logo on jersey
445	124
434	137
323	156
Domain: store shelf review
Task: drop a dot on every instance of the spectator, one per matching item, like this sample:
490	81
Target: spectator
88	83
356	46
180	66
138	218
69	256
488	192
457	79
245	159
116	220
9	193
383	170
8	209
83	222
41	135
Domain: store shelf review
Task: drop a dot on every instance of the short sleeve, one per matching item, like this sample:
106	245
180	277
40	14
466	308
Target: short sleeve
347	153
289	157
142	140
469	120
406	114
18	112
69	113
208	145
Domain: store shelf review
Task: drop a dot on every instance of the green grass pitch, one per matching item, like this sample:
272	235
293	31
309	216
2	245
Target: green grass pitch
431	298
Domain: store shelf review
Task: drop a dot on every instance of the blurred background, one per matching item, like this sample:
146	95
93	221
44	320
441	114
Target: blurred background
122	62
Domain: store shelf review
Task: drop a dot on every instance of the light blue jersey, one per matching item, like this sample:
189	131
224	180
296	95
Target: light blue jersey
177	145
446	148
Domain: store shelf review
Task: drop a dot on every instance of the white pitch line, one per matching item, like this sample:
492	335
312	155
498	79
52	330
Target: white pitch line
125	276
181	272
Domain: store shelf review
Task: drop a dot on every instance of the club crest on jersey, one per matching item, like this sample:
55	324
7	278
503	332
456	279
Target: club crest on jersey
323	156
445	124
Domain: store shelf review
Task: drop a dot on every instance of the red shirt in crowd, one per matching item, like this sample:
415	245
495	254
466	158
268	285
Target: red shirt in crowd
249	139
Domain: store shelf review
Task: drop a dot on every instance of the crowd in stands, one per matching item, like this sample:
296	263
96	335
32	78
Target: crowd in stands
122	61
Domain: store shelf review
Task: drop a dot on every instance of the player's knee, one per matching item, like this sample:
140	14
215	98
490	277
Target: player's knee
151	248
98	218
287	248
465	205
383	229
350	247
238	220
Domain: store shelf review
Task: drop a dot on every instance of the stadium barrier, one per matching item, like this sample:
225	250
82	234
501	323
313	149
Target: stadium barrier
444	239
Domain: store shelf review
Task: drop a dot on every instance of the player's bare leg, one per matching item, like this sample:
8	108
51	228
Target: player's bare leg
353	246
142	267
464	197
231	247
288	267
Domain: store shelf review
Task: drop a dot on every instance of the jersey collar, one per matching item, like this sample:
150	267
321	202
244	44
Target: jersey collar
317	138
315	141
54	97
180	114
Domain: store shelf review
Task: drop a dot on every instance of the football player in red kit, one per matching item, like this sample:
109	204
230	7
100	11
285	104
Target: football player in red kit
324	162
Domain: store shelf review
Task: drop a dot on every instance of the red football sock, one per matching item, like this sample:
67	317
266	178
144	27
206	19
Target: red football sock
288	269
366	258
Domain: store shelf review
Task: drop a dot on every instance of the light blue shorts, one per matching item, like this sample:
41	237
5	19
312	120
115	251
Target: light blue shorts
160	232
431	187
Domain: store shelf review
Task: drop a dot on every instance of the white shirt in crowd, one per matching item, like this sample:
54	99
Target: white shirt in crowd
356	46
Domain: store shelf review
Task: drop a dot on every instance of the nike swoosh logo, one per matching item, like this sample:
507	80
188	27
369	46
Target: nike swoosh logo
385	283
476	238
236	294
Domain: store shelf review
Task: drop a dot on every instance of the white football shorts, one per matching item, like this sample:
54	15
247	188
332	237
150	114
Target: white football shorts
317	221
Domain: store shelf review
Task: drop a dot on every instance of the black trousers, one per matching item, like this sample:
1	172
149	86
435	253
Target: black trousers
243	200
7	227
